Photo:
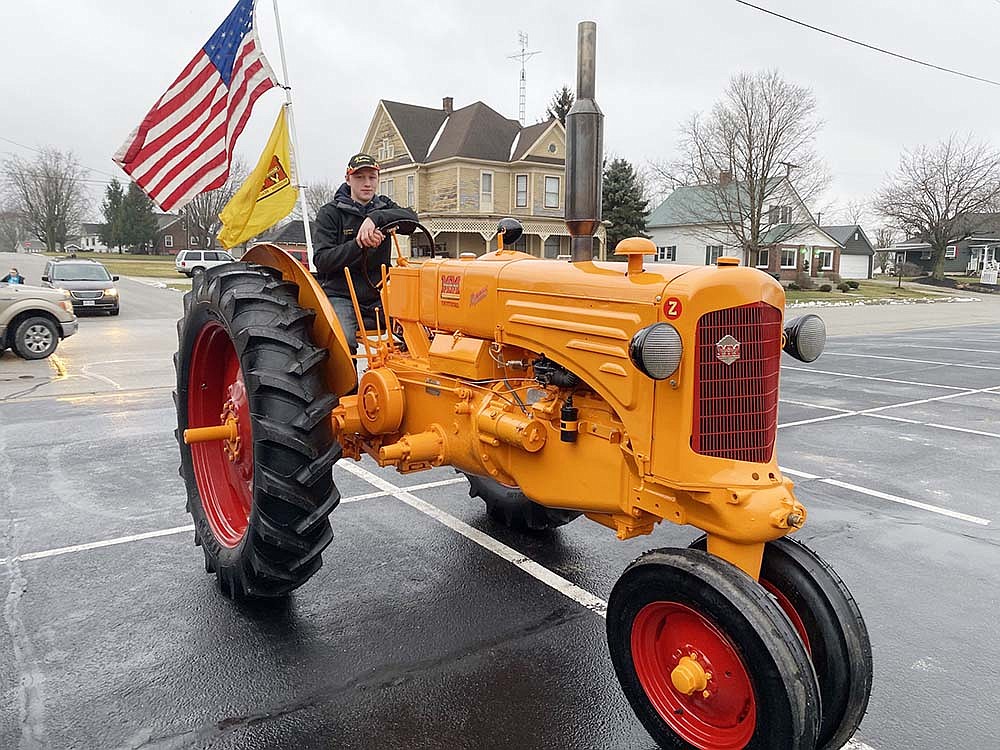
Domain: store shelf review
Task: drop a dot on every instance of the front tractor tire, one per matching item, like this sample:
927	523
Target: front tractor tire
260	500
707	659
511	508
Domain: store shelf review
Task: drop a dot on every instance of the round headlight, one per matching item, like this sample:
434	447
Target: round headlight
805	338
656	350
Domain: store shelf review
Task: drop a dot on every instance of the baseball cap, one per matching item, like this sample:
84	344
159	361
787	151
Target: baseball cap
360	161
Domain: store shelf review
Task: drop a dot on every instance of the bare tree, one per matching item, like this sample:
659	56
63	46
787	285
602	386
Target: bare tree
12	229
202	213
318	193
48	193
755	143
885	237
937	192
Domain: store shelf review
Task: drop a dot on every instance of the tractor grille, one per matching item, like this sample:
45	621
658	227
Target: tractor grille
736	404
88	295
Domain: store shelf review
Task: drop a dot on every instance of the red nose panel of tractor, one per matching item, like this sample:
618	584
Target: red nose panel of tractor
736	390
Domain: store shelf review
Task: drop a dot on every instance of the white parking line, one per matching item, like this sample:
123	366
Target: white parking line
886	496
844	413
182	529
511	555
947	348
872	377
917	361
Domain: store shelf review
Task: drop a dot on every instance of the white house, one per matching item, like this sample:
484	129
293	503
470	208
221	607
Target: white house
688	228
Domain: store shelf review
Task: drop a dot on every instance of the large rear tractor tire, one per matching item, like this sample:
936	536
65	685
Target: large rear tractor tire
706	657
829	623
510	507
261	501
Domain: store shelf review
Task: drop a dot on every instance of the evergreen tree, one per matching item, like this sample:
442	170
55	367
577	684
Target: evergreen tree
624	204
111	208
559	107
139	221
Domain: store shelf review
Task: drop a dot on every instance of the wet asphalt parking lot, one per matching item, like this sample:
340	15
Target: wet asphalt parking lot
430	627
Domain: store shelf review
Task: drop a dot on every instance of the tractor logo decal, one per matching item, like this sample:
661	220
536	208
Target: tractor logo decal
276	179
451	286
477	296
727	350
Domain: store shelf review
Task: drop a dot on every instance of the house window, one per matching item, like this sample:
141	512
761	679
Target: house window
552	192
712	253
925	255
168	240
789	257
551	248
857	236
486	191
411	191
762	258
668	253
521	191
386	150
951	251
387	188
826	260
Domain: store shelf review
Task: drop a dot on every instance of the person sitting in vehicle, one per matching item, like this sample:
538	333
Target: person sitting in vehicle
348	235
12	278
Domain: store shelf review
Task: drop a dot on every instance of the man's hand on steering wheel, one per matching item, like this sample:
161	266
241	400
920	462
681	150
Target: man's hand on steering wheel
369	235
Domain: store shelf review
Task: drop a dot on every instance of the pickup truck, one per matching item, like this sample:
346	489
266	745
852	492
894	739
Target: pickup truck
33	319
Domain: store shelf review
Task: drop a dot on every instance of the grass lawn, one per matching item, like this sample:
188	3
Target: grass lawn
867	291
157	266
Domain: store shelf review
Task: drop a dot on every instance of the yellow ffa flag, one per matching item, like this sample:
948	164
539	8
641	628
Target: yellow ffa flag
267	196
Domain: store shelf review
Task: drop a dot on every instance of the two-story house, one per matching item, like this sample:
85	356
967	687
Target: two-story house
693	226
464	169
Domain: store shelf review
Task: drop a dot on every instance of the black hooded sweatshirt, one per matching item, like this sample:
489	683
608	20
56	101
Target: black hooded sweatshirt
336	249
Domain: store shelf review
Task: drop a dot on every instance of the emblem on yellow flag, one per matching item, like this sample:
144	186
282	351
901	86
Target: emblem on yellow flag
268	194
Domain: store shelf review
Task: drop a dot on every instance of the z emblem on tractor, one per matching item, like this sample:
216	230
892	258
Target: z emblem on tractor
727	350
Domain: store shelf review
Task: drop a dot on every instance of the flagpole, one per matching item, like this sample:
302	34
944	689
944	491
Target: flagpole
296	171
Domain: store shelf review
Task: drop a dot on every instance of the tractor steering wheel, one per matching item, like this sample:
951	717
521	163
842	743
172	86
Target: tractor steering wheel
405	227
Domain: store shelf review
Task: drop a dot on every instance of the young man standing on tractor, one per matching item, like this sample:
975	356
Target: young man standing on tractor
348	235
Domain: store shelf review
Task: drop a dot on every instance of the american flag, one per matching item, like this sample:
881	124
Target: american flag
184	145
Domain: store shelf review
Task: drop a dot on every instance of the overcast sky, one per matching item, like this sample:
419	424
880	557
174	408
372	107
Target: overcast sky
80	75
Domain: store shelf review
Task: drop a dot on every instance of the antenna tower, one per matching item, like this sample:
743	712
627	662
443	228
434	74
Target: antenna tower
523	56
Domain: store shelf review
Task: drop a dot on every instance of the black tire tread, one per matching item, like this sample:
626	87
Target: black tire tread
510	507
294	450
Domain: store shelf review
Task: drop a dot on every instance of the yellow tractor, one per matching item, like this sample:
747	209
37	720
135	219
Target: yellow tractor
627	394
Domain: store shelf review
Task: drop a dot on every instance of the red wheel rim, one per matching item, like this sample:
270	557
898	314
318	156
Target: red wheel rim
663	633
215	387
789	609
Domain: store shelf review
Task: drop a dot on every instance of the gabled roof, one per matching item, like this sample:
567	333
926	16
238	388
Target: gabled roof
700	204
779	233
292	233
417	126
529	137
165	220
843	234
476	132
88	227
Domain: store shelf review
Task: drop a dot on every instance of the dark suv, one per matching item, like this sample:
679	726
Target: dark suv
89	284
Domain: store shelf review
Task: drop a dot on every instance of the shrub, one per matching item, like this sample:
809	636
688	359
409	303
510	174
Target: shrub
826	288
804	281
793	287
852	284
844	286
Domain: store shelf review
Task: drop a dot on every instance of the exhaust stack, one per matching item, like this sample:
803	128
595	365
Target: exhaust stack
584	149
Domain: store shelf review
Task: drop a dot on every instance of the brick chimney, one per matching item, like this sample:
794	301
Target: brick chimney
725	178
448	105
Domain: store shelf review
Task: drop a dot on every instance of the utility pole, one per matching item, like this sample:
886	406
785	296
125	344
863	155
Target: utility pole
523	56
